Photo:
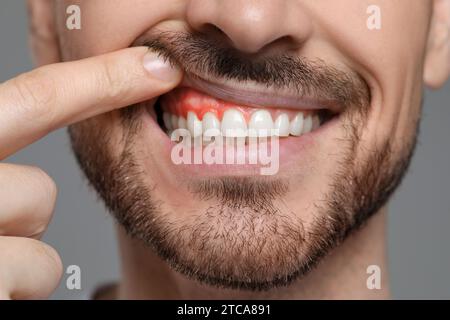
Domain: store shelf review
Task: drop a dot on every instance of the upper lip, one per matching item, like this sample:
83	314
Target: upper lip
253	95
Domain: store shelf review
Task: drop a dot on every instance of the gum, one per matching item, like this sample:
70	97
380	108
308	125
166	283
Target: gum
182	100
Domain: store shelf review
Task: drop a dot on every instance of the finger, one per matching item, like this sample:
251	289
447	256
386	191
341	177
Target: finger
27	197
29	269
37	102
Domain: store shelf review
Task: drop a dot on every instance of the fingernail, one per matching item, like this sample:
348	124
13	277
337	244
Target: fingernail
160	68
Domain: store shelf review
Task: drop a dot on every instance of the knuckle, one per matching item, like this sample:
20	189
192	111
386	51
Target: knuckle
110	82
45	193
51	257
34	95
38	230
45	183
115	81
21	249
29	214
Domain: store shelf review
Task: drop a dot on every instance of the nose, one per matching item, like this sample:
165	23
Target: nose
252	25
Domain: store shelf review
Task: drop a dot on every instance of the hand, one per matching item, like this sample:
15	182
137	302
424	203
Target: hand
34	104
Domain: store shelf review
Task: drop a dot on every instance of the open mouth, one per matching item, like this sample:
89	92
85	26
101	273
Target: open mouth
201	113
214	118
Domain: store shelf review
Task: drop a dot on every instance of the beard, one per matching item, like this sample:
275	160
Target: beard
247	238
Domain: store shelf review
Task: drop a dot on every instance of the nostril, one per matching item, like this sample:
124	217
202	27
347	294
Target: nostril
211	29
220	38
281	45
213	32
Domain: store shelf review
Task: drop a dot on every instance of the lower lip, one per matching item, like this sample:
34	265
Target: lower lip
292	150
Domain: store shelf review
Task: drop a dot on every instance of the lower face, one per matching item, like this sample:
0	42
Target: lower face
226	224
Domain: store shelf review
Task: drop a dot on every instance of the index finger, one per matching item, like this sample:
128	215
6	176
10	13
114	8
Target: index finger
53	96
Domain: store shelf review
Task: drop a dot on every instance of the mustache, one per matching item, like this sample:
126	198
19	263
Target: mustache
199	54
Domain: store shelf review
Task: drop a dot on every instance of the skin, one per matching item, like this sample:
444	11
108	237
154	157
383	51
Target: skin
333	31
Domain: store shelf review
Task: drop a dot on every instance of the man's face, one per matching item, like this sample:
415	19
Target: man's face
226	224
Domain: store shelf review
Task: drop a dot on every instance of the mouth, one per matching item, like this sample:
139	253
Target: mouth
202	107
237	131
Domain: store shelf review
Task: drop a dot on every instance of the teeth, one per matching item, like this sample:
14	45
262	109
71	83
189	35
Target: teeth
261	123
174	121
282	125
316	122
233	124
307	125
210	125
296	125
167	121
182	123
194	125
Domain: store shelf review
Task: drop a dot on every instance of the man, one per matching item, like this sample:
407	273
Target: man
343	94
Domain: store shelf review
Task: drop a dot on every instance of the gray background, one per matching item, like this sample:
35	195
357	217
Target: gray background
82	231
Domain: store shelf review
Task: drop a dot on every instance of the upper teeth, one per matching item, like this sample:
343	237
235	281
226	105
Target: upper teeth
233	123
261	121
194	125
283	125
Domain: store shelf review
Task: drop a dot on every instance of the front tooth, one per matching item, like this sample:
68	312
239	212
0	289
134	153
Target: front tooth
261	123
181	123
307	125
210	125
167	121
296	125
194	125
233	124
282	125
174	121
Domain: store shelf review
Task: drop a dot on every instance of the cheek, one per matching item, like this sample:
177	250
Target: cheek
108	25
391	61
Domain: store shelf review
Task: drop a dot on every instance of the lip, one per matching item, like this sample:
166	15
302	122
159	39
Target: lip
252	95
